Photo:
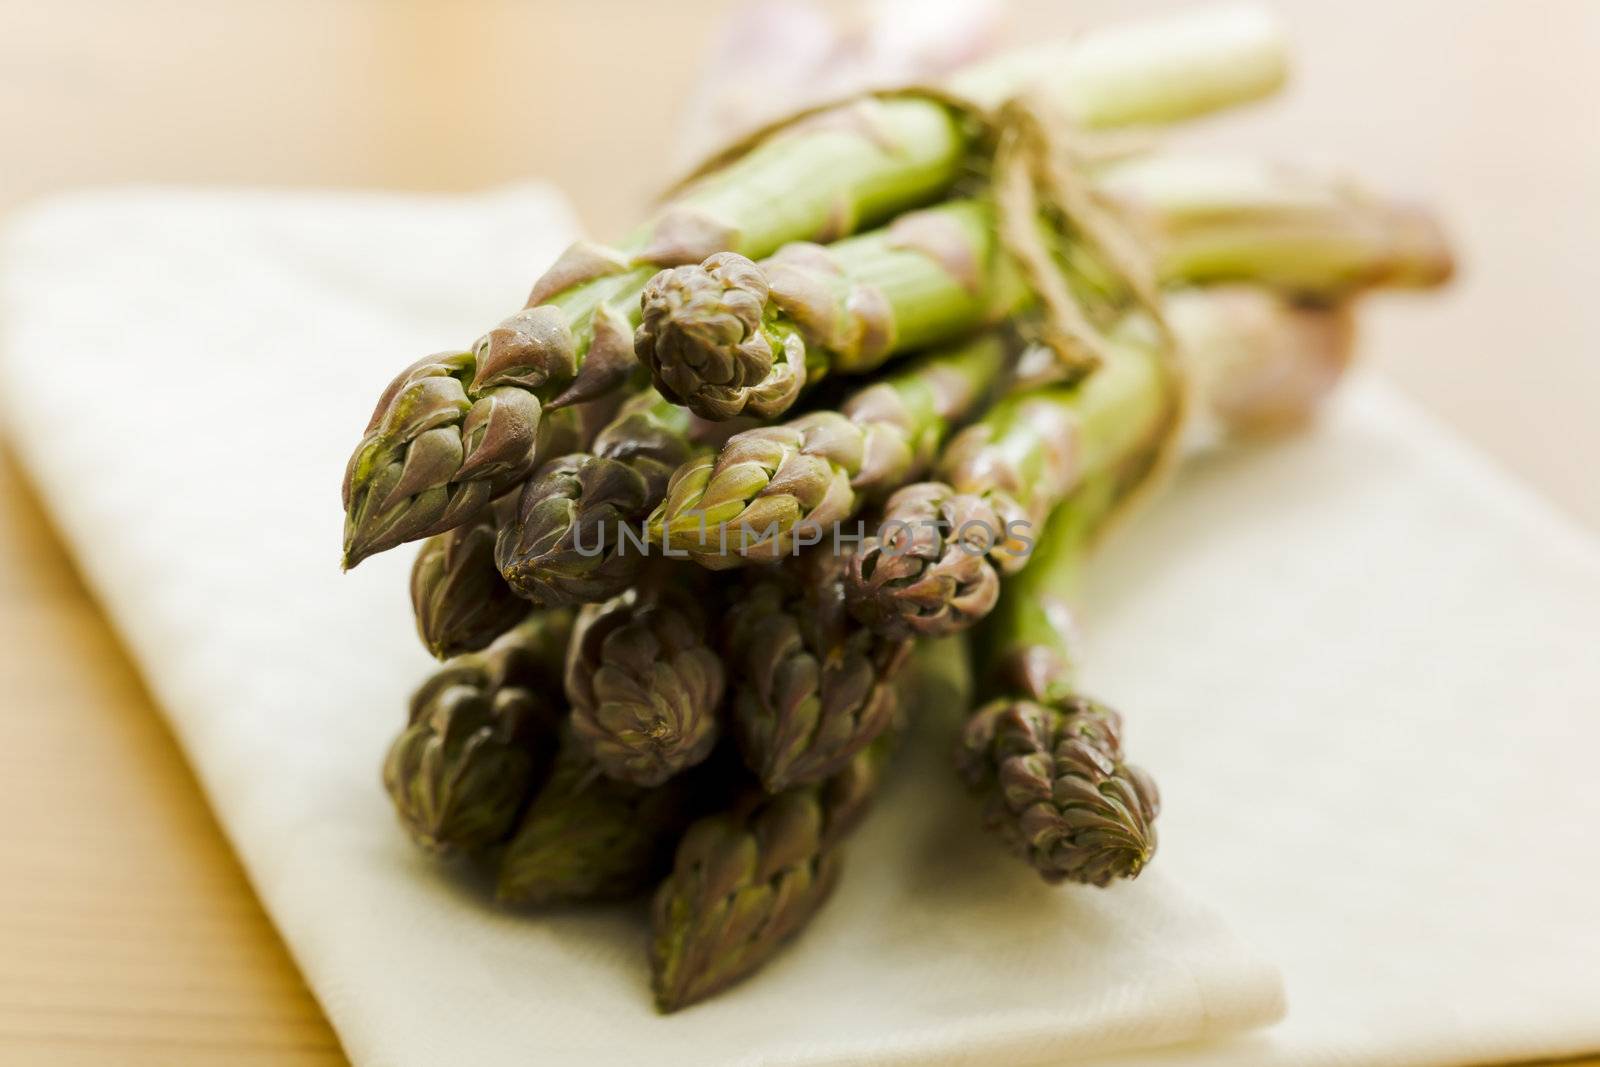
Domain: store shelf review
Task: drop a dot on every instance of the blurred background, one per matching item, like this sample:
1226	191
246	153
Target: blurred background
134	938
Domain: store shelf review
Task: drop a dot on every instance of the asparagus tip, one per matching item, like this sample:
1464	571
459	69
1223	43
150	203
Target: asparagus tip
1060	793
702	334
921	577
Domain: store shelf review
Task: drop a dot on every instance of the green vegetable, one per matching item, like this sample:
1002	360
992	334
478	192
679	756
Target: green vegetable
935	566
480	736
646	687
747	880
460	601
456	430
811	686
1047	762
814	471
587	836
575	535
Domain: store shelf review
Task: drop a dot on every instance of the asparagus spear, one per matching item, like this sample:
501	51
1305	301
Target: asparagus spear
812	687
479	736
821	468
934	567
1258	360
732	335
743	883
587	836
456	430
1228	218
394	493
460	600
646	690
748	879
722	503
565	542
1268	224
1048	762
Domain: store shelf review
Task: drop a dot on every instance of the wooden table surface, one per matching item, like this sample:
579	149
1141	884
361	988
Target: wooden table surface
128	933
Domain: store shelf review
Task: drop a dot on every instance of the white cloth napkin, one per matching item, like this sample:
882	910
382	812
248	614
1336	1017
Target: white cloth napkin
184	374
1365	668
1362	666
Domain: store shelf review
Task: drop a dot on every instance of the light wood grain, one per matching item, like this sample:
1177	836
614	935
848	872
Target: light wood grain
128	934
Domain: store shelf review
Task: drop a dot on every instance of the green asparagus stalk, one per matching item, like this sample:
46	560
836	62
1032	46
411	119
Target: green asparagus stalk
567	542
588	836
481	733
1285	230
769	482
1258	360
456	430
812	687
935	566
460	600
1046	761
729	335
749	879
732	335
1212	219
646	690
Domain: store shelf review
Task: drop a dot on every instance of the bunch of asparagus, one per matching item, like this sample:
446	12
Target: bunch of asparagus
701	521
